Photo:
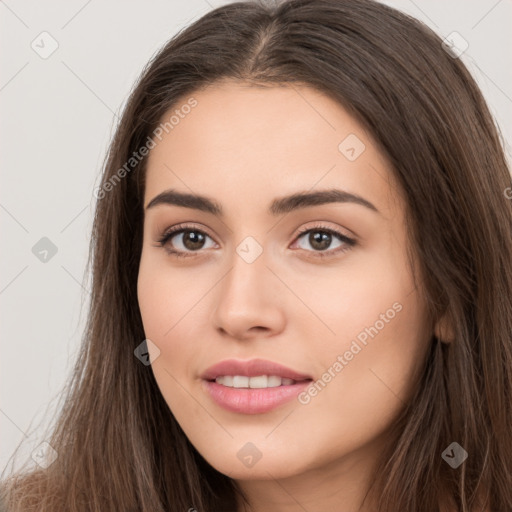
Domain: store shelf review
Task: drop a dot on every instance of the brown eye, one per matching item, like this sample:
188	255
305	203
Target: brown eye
320	239
193	240
181	241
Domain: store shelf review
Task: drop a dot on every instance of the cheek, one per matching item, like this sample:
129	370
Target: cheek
363	306
170	307
158	308
377	345
369	372
167	299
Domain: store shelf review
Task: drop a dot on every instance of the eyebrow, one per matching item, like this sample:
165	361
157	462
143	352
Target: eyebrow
278	206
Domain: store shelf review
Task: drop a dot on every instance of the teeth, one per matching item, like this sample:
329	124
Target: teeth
259	382
240	382
228	380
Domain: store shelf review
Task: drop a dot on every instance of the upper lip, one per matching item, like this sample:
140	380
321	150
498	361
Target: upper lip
251	368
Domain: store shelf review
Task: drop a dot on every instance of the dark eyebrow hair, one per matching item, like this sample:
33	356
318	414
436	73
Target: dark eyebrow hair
278	206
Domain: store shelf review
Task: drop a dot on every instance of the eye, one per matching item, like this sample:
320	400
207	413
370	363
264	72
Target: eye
321	237
189	240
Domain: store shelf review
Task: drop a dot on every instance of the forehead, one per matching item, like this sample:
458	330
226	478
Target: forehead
240	142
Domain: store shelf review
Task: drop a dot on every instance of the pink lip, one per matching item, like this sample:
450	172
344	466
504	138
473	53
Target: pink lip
251	368
252	401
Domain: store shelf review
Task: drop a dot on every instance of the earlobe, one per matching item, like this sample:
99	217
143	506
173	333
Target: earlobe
443	330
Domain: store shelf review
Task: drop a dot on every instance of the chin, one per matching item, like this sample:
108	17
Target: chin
247	462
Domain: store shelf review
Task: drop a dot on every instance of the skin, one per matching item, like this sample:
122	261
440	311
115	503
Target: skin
244	146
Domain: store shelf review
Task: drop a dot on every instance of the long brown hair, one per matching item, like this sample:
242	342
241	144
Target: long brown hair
119	447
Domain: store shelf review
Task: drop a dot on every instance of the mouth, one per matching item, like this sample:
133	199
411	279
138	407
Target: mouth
257	382
256	386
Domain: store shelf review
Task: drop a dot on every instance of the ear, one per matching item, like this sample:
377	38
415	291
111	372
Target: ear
443	329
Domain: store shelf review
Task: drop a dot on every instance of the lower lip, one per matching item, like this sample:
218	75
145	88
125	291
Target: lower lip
253	401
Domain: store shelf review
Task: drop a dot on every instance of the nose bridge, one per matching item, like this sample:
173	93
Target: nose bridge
246	297
248	271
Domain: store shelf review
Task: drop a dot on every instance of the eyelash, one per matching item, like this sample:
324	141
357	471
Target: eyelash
180	228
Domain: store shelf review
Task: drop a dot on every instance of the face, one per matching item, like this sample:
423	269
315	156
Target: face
322	286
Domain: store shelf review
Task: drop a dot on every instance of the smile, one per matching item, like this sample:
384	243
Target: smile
259	382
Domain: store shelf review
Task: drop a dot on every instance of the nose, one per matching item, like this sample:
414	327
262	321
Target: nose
249	300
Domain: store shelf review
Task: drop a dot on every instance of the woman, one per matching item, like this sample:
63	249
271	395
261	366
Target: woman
302	279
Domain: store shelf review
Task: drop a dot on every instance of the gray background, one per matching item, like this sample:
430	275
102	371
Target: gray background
57	117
